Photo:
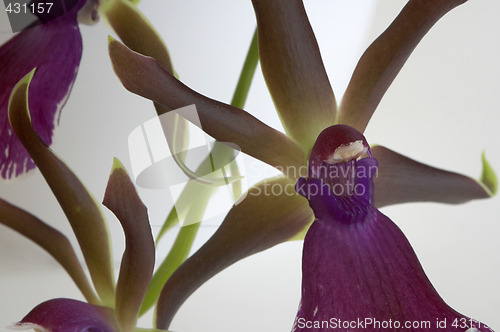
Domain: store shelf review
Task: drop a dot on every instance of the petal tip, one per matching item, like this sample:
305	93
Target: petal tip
110	39
25	81
117	165
488	176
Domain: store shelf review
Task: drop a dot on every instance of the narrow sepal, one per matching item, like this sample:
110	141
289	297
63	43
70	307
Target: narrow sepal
139	256
145	77
51	240
81	209
401	180
385	57
270	213
67	315
54	48
136	31
293	69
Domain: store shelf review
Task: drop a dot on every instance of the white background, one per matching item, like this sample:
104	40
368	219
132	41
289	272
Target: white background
442	109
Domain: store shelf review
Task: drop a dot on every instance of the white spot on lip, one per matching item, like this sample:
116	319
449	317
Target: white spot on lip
347	152
315	311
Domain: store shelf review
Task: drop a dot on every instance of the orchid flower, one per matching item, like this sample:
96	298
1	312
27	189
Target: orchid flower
111	307
301	92
359	270
55	48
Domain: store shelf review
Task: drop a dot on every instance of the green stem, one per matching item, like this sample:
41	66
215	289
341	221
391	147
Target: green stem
239	98
247	73
186	235
179	252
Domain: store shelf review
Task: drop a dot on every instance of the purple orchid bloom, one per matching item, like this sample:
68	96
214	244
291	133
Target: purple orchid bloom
359	271
54	47
301	92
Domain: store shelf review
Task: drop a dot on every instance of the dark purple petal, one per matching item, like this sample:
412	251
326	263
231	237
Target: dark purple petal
58	8
67	315
139	256
55	49
358	266
293	69
385	57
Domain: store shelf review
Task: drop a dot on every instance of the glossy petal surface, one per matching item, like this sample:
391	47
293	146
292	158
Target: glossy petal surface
67	315
55	49
139	257
402	180
385	57
293	69
262	220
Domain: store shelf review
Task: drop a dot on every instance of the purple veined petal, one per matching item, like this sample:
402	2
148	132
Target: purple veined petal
55	49
385	57
359	269
68	315
139	256
401	180
293	69
270	213
145	77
